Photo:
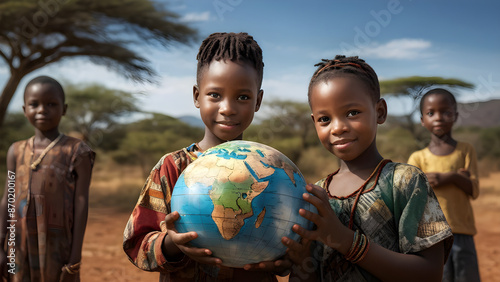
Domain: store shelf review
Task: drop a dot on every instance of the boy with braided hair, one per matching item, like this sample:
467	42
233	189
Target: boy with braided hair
376	220
228	93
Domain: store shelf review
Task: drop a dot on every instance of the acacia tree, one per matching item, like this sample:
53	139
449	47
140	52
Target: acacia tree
93	109
35	33
414	87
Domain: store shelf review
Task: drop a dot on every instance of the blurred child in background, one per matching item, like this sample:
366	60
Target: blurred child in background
451	167
51	175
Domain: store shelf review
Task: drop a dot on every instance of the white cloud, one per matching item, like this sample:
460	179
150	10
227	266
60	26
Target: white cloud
398	49
401	49
196	17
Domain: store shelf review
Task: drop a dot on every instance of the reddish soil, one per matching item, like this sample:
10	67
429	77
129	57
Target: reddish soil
104	259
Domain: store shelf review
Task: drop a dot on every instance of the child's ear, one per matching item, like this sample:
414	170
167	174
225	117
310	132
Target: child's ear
381	111
259	100
65	108
196	95
456	117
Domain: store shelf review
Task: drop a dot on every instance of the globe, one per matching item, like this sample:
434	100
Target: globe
241	197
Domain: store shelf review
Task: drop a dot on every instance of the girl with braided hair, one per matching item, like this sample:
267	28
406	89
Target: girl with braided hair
376	220
228	93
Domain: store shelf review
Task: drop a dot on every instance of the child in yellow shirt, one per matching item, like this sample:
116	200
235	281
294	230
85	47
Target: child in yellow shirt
451	168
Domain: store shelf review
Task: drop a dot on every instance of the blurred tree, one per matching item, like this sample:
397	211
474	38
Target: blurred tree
287	127
414	87
36	33
95	109
149	139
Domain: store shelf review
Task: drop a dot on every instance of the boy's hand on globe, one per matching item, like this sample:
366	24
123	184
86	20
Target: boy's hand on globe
181	243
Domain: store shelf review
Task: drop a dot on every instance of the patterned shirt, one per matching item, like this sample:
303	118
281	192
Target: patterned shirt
145	230
399	212
44	208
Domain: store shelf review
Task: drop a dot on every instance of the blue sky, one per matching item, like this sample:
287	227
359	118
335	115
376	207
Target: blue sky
452	39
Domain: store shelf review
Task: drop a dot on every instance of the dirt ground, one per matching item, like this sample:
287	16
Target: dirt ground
104	259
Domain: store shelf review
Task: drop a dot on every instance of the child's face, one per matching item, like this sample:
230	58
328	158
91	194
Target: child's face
438	114
345	116
43	106
228	96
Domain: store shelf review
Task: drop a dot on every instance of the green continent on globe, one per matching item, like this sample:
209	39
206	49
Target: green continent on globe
237	182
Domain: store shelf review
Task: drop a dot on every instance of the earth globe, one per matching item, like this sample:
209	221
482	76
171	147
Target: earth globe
241	197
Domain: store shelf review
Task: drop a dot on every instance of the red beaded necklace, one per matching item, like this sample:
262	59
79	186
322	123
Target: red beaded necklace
376	172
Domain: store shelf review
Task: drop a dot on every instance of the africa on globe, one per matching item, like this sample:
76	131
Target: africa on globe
241	197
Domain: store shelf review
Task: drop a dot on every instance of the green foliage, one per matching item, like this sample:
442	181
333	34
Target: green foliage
414	85
387	139
16	128
288	127
36	33
489	144
149	139
95	109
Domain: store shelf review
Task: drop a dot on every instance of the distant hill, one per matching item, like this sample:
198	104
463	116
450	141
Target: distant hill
481	114
192	120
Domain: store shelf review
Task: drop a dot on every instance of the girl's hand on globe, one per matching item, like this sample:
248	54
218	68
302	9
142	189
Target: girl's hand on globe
297	252
175	242
279	267
328	228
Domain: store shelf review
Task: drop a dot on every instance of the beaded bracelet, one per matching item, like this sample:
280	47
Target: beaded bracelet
72	269
359	248
355	242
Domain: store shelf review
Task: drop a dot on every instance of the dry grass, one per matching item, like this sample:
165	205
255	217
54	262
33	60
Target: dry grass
115	186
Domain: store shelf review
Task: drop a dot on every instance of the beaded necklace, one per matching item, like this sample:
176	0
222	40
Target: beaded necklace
360	190
44	152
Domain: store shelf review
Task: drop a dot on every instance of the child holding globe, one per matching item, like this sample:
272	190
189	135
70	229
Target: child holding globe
229	77
376	220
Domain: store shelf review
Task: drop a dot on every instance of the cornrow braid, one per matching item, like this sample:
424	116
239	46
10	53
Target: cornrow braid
236	47
342	65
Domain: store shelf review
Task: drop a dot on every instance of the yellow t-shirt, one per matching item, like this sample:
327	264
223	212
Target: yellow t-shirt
454	202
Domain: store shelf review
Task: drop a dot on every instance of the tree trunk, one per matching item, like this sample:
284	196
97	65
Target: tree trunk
7	93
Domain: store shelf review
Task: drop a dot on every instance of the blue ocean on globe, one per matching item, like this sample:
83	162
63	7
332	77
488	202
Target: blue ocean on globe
241	197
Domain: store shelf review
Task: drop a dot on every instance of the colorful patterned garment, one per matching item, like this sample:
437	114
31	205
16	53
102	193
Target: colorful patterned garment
399	213
44	208
145	230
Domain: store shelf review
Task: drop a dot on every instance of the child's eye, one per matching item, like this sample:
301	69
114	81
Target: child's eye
243	97
214	95
352	113
323	119
430	114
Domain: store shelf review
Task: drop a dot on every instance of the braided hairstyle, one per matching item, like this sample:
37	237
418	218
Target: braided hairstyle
236	47
342	66
46	80
438	91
